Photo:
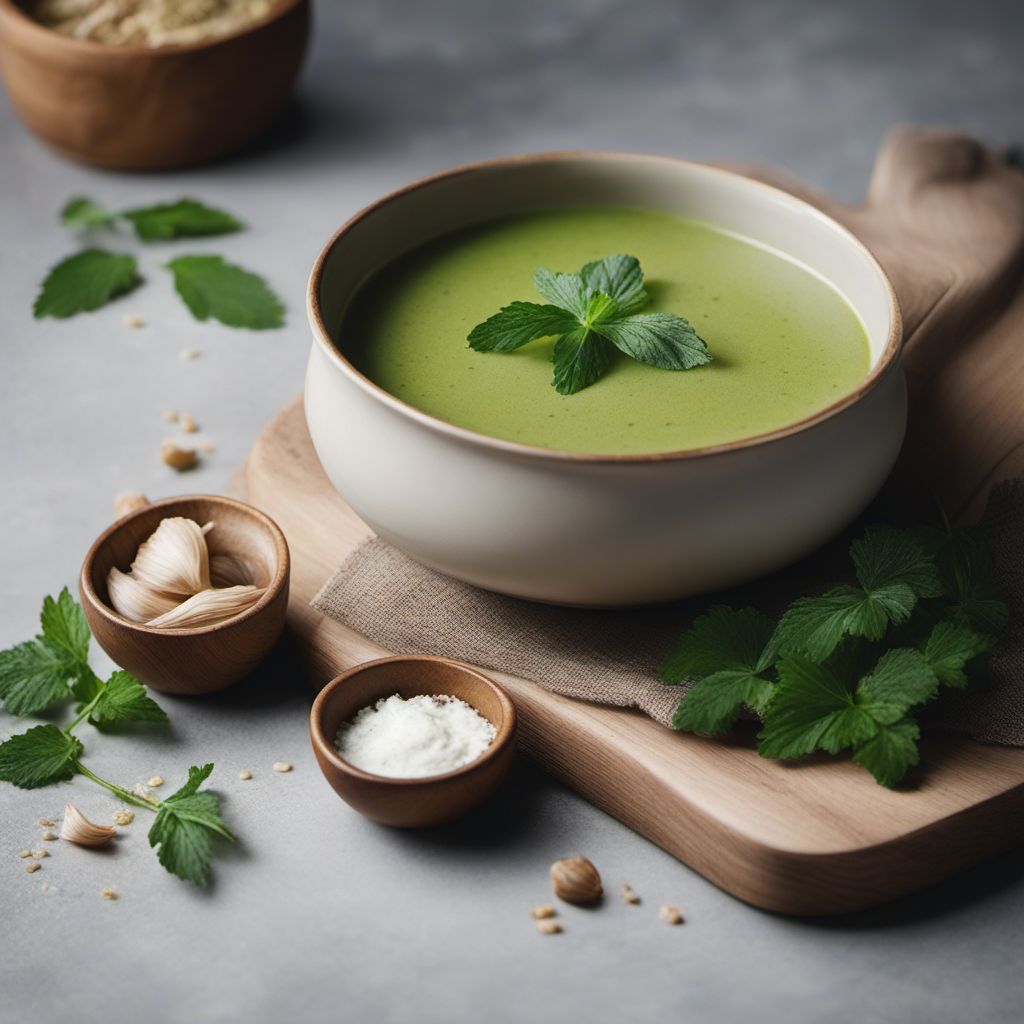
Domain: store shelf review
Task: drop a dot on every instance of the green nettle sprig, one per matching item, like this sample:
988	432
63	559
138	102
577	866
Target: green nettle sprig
591	314
53	669
851	668
209	286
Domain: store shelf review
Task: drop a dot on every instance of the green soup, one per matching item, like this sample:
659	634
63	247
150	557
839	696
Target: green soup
785	343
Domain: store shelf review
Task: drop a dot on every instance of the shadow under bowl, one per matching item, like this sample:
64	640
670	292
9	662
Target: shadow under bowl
205	658
416	802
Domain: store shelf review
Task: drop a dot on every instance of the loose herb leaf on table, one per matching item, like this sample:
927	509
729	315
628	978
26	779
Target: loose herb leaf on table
187	218
53	669
85	282
81	212
212	288
849	669
590	314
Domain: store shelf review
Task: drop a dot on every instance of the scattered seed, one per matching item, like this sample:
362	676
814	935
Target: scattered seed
156	780
671	915
40	853
189	353
177	458
140	790
548	926
48	837
24	853
124	817
628	895
170	415
188	423
282	766
108	894
32	865
46	887
131	320
129	501
46	823
245	775
543	911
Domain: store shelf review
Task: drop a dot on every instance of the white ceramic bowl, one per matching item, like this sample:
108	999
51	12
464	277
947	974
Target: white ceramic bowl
589	529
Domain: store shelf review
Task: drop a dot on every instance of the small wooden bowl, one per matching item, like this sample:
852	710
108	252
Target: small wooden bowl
140	108
205	658
412	803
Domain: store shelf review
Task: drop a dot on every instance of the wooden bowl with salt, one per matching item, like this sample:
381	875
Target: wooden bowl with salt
426	800
199	659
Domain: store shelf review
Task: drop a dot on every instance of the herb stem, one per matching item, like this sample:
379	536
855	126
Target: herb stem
126	795
84	713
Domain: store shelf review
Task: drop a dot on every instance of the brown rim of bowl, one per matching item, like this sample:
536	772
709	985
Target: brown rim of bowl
323	338
22	16
326	746
273	588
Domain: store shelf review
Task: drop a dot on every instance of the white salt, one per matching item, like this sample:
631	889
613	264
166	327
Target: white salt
409	739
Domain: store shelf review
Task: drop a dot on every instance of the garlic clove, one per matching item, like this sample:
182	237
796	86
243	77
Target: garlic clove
77	828
136	600
209	607
175	559
228	569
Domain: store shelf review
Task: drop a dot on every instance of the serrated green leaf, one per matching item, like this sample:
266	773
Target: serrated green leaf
949	648
619	277
84	282
886	555
33	676
564	290
124	699
901	680
212	288
186	218
890	752
580	357
712	705
964	560
86	685
196	777
657	339
64	625
723	638
519	323
40	757
81	212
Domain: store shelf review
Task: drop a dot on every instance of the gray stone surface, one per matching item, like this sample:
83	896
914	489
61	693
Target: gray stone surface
319	915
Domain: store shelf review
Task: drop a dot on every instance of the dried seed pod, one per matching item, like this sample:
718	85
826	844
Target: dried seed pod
209	607
77	828
576	880
671	915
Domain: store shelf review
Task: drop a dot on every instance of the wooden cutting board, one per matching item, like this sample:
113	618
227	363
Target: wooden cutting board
946	218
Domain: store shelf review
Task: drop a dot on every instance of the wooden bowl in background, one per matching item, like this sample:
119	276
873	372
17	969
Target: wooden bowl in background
412	803
140	108
205	658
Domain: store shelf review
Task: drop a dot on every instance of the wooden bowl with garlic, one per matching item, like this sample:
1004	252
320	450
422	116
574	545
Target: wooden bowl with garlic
190	593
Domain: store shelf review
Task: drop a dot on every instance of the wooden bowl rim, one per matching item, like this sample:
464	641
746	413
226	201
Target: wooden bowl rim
26	22
272	590
504	736
323	340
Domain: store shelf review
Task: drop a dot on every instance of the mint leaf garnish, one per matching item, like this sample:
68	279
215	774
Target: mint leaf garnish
185	827
124	699
894	570
40	757
212	288
85	282
187	218
585	312
81	212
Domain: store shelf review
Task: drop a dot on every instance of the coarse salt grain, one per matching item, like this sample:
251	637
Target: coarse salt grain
409	739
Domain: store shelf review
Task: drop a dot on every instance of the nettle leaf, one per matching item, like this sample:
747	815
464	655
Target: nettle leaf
124	699
727	652
84	282
185	827
948	650
517	324
81	212
966	569
566	291
186	218
40	757
619	277
890	752
581	357
64	625
894	571
34	675
210	287
658	339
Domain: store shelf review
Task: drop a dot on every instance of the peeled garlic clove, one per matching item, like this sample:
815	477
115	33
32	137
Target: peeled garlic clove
136	600
175	559
77	828
209	607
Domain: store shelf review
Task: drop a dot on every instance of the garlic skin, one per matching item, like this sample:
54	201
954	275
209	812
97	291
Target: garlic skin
228	569
209	607
175	559
136	600
77	828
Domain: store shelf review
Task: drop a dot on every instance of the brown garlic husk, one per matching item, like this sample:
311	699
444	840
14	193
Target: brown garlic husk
576	880
77	828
